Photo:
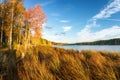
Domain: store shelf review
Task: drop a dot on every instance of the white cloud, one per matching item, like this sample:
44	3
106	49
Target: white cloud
108	33
64	21
67	28
87	35
47	2
52	37
110	9
112	19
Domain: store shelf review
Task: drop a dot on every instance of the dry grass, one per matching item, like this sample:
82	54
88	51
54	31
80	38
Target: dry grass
47	63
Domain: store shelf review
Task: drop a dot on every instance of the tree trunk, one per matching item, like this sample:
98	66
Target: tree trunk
11	27
1	40
1	34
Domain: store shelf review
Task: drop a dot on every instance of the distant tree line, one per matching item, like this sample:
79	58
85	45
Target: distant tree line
101	42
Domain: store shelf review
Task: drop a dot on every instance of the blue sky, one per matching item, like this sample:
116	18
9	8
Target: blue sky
79	20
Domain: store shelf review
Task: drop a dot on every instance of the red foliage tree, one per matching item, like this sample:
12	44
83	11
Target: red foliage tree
34	19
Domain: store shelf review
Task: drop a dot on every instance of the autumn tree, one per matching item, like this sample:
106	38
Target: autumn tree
2	12
12	21
34	18
17	25
1	22
12	2
18	21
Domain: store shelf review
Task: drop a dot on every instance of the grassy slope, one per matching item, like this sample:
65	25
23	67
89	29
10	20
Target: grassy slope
46	63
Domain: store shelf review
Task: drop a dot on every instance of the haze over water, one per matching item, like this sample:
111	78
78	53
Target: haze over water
113	48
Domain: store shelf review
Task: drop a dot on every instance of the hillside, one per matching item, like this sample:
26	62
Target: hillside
47	42
47	63
101	42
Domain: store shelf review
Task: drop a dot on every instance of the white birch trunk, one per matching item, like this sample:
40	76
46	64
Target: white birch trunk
11	27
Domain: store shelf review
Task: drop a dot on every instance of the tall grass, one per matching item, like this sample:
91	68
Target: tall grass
48	63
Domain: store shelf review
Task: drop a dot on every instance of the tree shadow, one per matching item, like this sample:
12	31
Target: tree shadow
8	66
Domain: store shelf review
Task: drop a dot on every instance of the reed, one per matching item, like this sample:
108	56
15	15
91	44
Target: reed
48	63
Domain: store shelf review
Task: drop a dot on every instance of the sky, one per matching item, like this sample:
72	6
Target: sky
74	21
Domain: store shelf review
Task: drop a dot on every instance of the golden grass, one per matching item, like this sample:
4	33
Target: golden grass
47	63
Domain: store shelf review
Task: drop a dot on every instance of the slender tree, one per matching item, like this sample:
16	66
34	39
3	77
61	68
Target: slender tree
11	26
2	20
13	21
18	21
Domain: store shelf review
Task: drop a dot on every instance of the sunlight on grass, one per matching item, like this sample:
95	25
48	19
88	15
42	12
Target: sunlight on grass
47	63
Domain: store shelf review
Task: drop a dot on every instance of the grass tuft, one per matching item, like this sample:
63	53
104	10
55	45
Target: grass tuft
48	63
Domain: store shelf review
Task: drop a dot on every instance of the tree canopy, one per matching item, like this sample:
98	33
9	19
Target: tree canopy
17	24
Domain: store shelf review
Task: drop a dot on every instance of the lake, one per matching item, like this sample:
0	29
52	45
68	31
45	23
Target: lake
113	48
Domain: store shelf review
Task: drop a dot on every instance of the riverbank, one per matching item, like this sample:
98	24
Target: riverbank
47	63
107	48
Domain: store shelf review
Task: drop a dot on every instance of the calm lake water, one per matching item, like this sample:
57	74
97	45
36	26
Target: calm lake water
113	48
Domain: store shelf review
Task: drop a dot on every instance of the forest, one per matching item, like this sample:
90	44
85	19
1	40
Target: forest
18	25
115	41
